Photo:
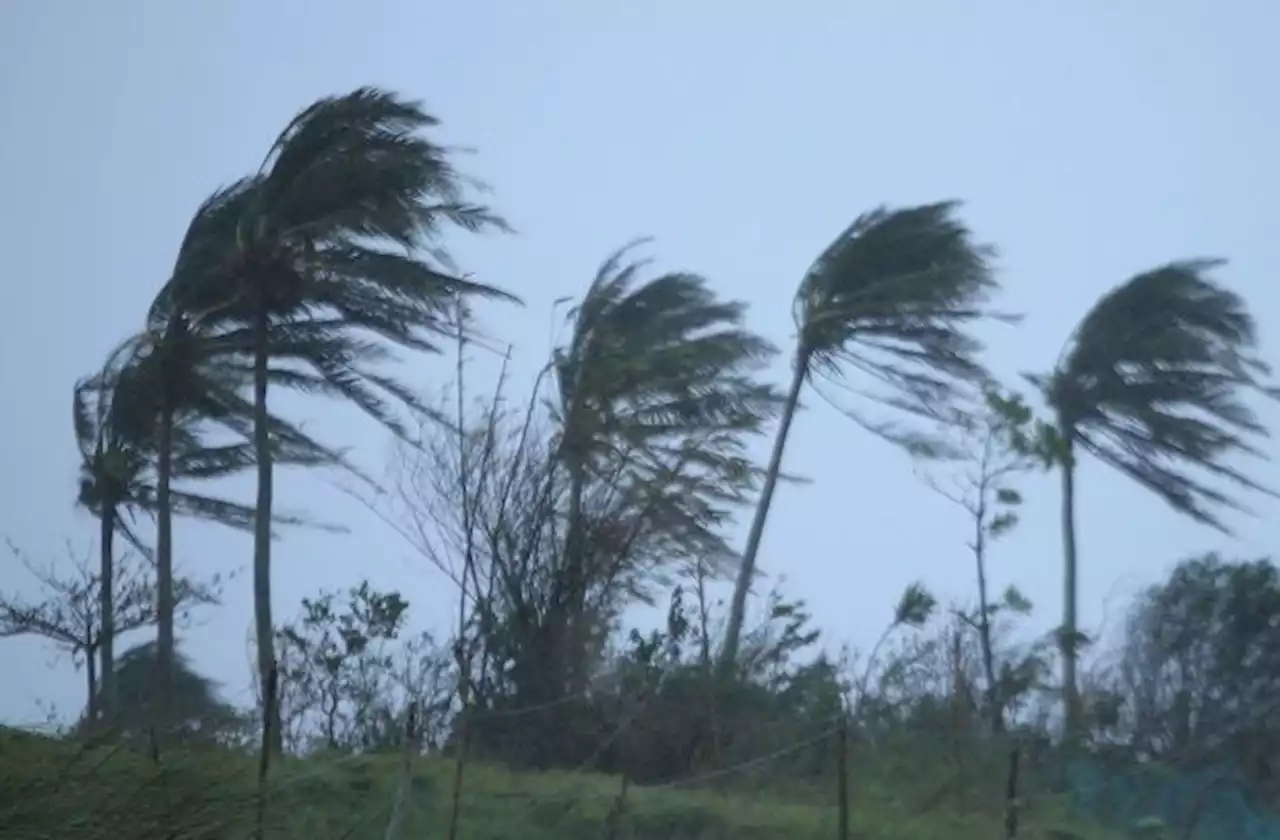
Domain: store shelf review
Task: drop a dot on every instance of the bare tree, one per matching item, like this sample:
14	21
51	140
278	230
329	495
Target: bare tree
67	610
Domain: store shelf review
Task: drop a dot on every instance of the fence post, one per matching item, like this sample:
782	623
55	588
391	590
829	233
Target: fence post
842	775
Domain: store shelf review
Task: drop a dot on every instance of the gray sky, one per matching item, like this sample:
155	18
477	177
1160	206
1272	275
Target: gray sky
1091	140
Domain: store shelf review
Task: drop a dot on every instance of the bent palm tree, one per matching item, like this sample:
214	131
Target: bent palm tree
658	391
118	480
137	424
1152	382
319	246
178	377
892	298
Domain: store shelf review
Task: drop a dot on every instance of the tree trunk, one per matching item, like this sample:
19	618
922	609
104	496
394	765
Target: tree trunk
738	607
165	653
568	632
1070	696
91	676
107	606
984	620
263	625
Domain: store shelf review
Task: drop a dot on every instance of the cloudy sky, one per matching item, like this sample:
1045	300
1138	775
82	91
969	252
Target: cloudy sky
1091	140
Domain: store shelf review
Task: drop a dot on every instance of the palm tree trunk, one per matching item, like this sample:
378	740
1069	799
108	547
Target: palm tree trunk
107	607
91	677
1071	700
263	625
164	568
738	608
984	621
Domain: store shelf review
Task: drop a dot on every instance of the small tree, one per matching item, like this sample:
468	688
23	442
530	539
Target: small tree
68	610
195	711
994	447
348	677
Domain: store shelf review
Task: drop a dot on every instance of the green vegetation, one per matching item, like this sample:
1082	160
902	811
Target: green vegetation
59	790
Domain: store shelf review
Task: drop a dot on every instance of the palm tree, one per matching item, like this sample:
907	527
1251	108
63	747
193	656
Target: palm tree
118	481
321	245
178	378
137	423
892	298
658	392
1153	383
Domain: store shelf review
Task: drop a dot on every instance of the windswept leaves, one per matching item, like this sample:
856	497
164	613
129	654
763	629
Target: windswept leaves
886	312
338	239
1155	383
658	392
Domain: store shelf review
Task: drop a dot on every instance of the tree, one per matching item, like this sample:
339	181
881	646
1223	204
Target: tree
330	240
892	297
1200	664
69	610
138	424
1153	382
194	711
338	669
996	447
118	479
657	396
553	515
181	381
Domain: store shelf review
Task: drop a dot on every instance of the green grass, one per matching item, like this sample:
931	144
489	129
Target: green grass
51	789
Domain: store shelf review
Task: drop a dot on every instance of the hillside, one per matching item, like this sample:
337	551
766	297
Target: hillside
55	789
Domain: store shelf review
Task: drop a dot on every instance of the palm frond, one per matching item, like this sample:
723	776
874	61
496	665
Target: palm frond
335	237
200	287
658	391
891	301
359	164
234	514
660	358
1155	383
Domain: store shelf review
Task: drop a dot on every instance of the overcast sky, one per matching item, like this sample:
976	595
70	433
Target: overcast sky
1091	140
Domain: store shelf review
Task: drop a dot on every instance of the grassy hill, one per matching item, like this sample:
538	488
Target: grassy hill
52	789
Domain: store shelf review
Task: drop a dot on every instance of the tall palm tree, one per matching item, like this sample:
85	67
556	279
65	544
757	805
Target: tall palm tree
336	235
892	298
1153	383
137	424
118	481
112	464
178	378
658	393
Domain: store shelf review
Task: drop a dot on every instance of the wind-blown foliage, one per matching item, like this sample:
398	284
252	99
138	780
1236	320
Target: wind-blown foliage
123	475
891	299
1154	383
313	264
194	711
659	391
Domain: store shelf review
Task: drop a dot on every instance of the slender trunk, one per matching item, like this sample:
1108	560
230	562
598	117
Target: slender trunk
107	606
165	653
738	607
984	619
566	618
263	625
1070	694
91	675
